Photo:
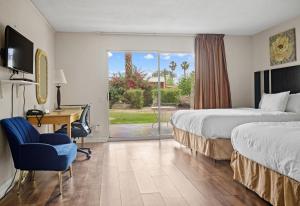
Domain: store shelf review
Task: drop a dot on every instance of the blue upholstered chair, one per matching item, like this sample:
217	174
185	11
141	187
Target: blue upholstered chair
33	151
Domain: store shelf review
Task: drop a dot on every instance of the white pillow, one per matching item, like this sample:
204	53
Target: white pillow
293	104
274	102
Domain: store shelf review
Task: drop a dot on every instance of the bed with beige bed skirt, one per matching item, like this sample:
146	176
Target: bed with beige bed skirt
208	131
266	159
218	149
278	189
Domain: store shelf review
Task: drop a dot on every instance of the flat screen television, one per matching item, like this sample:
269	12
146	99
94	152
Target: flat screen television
18	54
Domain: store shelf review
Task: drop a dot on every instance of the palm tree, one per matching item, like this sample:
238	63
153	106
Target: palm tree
172	66
128	64
185	66
165	73
172	75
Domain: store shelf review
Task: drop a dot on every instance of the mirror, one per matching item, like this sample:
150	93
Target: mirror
41	76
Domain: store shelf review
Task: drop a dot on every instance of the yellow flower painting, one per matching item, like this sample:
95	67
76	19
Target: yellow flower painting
283	47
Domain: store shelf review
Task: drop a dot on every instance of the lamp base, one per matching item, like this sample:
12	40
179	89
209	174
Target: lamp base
58	97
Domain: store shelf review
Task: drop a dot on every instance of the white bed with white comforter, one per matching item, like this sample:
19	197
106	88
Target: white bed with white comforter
208	131
219	123
275	145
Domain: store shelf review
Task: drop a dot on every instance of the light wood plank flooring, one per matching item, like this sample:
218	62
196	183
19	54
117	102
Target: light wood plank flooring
150	173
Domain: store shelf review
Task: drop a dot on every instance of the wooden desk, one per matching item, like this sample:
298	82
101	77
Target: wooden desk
66	116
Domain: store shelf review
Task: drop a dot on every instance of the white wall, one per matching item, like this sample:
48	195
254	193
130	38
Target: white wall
239	66
84	59
27	20
260	48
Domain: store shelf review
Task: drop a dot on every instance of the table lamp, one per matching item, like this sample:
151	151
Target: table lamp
60	80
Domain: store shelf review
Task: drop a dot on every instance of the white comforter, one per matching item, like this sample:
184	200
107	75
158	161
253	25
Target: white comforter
218	123
275	145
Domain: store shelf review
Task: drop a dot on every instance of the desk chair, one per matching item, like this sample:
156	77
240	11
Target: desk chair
80	129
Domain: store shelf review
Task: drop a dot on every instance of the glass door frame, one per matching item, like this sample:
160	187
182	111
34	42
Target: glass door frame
158	53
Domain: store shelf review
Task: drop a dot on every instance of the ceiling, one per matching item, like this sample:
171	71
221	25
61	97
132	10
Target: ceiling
237	17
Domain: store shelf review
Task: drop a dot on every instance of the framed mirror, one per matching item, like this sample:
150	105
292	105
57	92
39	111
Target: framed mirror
41	76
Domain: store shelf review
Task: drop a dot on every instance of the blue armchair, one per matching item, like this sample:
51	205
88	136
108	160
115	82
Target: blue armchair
33	151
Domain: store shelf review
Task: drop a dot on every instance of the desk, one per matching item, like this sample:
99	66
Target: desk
66	116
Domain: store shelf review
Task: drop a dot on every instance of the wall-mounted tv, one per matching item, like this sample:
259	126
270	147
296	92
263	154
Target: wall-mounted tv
18	54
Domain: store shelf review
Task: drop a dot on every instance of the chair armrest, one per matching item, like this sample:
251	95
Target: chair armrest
73	124
55	138
35	150
39	156
77	125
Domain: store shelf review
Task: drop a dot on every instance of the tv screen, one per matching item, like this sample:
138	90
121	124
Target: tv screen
18	51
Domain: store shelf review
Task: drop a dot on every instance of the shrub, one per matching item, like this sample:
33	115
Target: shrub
135	97
167	96
148	100
185	85
117	80
115	95
136	80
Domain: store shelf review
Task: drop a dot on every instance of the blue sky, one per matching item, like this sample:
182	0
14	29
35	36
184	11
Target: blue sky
147	62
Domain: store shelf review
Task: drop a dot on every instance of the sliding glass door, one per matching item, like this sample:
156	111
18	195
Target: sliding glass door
177	71
145	88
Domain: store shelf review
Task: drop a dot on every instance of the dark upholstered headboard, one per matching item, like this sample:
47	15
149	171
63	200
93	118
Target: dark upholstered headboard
276	80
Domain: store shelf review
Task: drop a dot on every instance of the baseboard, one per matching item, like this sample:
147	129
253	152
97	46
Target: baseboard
5	185
94	139
118	139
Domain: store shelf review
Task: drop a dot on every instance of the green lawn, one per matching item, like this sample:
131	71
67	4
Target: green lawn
117	117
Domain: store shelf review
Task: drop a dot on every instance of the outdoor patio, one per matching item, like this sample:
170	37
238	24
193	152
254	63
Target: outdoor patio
139	123
139	130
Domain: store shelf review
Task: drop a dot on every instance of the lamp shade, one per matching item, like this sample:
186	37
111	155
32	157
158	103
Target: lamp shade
60	77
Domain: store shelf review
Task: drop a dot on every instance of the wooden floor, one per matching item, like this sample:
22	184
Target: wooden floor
150	173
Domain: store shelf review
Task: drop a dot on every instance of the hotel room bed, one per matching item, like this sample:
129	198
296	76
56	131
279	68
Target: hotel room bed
208	131
266	159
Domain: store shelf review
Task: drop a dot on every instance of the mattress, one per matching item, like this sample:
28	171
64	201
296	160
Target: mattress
218	123
274	145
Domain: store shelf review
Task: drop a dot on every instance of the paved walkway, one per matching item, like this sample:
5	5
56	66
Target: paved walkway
138	130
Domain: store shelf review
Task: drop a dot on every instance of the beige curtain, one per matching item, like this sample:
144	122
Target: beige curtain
212	88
